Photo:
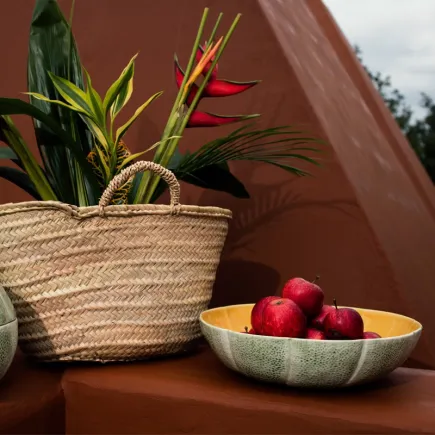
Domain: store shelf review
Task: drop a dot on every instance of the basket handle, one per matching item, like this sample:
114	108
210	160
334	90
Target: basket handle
120	179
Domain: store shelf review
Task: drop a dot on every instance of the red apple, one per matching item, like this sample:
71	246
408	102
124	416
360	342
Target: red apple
281	318
257	311
308	295
343	323
369	335
319	320
315	334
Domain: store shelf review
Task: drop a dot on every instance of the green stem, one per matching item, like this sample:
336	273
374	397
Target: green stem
71	15
190	65
208	75
213	32
172	120
170	149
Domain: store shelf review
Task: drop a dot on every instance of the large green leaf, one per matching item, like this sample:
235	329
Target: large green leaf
7	153
20	179
33	170
214	177
52	49
57	138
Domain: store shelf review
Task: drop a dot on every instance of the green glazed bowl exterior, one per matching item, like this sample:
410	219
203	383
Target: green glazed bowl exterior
8	332
310	363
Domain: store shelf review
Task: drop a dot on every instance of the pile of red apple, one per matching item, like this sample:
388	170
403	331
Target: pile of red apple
300	313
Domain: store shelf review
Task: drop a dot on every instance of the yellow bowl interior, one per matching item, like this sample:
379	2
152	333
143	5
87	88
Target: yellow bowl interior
236	317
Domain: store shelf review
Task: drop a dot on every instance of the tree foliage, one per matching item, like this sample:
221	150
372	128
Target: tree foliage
420	132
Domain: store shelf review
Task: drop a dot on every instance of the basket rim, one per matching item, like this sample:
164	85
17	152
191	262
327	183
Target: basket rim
116	210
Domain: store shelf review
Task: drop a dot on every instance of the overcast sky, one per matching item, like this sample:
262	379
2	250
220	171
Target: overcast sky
397	37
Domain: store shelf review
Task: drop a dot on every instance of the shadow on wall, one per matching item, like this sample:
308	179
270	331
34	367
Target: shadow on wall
242	280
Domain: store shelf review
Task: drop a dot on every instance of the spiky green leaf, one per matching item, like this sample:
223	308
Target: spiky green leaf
129	159
72	94
123	129
58	102
98	133
52	48
116	88
95	101
122	99
104	164
58	137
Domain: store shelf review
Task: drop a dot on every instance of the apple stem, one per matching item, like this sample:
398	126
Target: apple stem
315	279
246	329
335	303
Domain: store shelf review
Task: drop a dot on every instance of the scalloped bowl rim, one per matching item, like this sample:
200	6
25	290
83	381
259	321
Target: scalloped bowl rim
418	329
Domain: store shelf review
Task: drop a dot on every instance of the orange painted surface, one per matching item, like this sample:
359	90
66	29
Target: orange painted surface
365	222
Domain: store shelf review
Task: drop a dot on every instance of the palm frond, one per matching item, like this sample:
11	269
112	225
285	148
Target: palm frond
208	167
278	146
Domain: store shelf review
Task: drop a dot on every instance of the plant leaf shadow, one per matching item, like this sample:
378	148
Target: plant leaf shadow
241	282
241	278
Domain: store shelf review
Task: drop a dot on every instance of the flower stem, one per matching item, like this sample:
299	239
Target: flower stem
143	191
166	155
213	32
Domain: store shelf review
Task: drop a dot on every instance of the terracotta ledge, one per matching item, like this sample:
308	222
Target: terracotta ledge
31	399
196	394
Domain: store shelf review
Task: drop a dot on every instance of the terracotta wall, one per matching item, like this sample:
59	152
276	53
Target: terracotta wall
365	222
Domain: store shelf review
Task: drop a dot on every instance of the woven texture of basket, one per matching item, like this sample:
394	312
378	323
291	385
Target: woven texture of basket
110	282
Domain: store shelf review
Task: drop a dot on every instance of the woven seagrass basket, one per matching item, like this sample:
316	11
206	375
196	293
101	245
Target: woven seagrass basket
110	282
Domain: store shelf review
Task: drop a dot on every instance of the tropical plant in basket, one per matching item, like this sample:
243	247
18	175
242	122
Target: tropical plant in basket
81	144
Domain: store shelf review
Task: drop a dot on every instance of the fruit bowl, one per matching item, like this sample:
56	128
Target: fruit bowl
310	363
8	332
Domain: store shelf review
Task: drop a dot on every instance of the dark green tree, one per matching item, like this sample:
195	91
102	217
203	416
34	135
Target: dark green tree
419	132
421	135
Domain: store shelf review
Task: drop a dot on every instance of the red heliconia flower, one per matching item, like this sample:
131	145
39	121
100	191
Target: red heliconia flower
203	62
205	119
225	88
199	54
179	76
213	88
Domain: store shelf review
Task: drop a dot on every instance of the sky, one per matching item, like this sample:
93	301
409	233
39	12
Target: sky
397	38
